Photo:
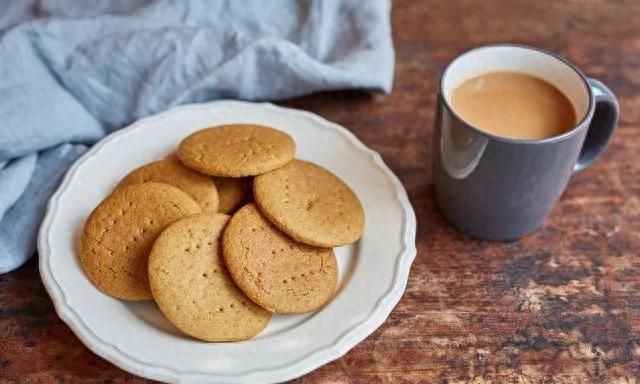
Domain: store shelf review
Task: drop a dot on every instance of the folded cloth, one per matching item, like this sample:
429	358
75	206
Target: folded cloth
73	71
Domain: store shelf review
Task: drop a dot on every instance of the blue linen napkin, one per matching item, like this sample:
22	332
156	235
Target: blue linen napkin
73	71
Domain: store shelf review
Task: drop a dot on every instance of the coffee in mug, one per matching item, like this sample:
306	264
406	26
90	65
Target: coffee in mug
514	105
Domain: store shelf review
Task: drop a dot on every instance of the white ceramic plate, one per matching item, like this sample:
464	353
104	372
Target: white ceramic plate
137	338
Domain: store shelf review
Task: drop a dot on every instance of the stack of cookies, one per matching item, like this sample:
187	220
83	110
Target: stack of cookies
165	233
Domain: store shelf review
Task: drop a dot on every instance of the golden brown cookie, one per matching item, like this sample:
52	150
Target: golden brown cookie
171	171
236	150
119	233
275	271
232	192
310	204
192	287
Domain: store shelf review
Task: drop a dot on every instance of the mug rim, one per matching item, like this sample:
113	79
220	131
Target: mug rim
568	133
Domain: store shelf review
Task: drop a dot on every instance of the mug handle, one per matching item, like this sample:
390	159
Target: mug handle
603	124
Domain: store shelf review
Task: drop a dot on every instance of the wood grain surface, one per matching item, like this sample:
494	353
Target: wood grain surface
560	306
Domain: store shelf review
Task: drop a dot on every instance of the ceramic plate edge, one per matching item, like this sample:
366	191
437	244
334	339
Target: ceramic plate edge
310	362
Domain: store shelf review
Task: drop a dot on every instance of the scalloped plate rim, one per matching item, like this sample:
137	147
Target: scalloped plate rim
308	363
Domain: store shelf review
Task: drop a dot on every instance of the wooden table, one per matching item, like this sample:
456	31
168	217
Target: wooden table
562	305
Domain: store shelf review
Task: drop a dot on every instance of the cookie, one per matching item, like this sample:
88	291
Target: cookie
171	171
275	271
310	204
232	192
192	287
236	150
119	233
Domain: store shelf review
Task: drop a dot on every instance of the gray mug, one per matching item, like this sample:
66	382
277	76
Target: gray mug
498	188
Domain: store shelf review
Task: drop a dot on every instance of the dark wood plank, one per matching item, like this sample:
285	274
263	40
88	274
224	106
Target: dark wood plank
561	305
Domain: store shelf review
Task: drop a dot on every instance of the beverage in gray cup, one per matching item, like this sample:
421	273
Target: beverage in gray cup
513	123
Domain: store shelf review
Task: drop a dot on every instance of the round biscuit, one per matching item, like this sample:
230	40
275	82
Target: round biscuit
236	150
275	271
119	234
192	287
171	171
310	204
232	192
